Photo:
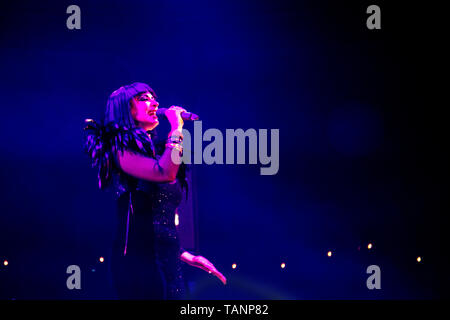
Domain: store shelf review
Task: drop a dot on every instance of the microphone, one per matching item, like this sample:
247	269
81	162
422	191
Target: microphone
161	112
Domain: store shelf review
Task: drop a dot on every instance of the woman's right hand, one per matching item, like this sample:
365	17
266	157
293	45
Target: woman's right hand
173	115
202	263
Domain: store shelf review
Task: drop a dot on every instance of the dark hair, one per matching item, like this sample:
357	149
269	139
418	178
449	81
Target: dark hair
118	112
119	103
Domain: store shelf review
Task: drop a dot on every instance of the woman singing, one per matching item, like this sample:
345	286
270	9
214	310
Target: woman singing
149	182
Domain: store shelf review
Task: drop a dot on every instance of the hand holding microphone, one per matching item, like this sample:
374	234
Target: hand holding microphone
185	115
173	115
176	116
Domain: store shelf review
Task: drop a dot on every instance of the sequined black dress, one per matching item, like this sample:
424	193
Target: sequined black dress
146	252
145	262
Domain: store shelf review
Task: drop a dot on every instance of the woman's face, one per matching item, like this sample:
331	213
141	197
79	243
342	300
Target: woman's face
143	110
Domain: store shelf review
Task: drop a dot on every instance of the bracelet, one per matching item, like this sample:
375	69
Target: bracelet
175	139
174	145
177	146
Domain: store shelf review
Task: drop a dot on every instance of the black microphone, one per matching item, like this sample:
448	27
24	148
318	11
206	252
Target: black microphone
161	112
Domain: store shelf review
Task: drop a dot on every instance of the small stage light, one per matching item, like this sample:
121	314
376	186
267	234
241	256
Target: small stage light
177	219
234	265
369	246
329	253
5	263
419	259
101	259
283	265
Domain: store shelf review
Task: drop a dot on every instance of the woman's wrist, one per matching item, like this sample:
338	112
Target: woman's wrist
187	257
175	138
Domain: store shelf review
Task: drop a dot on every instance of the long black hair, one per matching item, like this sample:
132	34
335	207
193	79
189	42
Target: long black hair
120	131
118	107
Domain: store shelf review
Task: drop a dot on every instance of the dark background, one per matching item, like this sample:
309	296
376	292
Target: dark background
361	142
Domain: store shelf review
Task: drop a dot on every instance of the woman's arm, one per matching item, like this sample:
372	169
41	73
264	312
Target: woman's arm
163	170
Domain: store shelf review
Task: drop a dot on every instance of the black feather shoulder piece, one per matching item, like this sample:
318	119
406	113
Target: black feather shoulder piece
102	141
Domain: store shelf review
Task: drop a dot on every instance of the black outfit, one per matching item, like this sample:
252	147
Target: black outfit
146	252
